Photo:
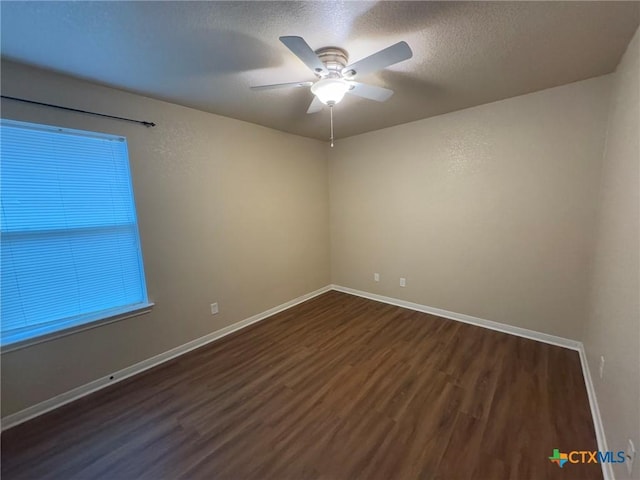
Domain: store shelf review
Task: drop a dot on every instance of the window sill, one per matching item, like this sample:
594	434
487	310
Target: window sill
17	341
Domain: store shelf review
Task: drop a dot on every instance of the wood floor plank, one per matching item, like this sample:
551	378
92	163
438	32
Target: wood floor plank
338	387
460	457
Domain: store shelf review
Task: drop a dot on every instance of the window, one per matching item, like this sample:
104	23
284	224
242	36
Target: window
70	247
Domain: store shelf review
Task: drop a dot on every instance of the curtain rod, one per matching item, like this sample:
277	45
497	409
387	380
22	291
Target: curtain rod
141	122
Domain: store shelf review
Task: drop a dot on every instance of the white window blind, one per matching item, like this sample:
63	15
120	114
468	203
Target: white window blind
70	247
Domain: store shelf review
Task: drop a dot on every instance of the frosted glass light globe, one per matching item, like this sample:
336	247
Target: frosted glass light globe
330	90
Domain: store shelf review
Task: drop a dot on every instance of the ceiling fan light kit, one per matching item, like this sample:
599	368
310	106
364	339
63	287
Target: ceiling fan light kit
335	77
330	91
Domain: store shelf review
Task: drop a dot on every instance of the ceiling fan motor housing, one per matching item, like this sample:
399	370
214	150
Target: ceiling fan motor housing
334	58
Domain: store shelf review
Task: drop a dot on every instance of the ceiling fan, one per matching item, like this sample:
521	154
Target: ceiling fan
335	77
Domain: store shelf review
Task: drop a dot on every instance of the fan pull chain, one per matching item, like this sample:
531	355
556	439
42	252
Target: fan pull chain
331	113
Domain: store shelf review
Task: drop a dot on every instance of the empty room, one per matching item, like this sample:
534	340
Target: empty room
320	240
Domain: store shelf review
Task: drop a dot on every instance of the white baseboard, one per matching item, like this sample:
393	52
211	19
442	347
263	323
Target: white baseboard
100	383
607	470
461	317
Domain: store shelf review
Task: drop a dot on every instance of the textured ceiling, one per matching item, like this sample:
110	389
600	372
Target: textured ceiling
207	54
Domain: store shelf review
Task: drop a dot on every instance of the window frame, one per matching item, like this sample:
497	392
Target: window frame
39	333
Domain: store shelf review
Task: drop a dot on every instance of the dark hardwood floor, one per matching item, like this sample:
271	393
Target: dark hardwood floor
338	387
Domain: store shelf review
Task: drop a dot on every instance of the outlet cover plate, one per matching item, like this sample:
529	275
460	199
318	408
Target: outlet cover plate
630	455
601	366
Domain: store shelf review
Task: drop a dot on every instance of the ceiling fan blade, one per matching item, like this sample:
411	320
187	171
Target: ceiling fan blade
304	52
282	85
316	105
371	92
384	58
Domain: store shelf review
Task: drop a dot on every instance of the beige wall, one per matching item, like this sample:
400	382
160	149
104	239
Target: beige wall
487	211
228	212
613	322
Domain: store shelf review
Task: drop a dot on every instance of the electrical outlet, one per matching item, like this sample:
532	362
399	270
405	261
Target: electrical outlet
403	282
214	308
630	455
376	277
601	366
